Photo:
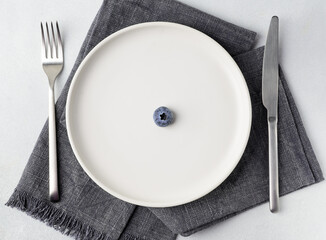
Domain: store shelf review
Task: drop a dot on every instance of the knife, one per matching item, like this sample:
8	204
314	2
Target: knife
270	101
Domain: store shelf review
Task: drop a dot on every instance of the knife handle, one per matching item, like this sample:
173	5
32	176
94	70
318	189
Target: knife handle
273	165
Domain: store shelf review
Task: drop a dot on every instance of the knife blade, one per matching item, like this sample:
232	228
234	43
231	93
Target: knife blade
270	80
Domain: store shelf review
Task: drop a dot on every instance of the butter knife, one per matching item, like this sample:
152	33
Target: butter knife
270	101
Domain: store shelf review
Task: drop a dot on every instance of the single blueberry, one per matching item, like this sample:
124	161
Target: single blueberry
163	117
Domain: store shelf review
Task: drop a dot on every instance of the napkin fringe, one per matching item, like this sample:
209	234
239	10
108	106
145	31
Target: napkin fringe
54	217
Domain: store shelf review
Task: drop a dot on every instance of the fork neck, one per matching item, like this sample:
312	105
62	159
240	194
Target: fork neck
51	83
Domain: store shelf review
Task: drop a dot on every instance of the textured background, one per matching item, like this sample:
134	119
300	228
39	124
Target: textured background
23	102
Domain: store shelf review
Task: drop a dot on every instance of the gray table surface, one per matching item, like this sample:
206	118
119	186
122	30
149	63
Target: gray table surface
24	107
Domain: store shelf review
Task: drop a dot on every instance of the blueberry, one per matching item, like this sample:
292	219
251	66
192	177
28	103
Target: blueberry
163	117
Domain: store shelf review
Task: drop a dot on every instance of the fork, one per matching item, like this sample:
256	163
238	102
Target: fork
52	62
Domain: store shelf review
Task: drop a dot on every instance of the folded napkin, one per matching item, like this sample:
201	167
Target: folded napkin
85	211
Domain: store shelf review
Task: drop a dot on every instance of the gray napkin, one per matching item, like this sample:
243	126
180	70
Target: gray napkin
85	211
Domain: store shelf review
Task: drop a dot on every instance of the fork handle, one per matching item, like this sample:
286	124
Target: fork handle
53	166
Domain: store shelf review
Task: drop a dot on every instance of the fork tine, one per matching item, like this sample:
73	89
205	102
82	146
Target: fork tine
54	43
44	46
49	42
59	42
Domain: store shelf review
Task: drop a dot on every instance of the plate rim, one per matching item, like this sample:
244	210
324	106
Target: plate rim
68	123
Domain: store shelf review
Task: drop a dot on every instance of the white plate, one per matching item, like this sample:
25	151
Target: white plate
115	92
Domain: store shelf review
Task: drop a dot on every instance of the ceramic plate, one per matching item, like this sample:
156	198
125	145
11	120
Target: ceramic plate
115	92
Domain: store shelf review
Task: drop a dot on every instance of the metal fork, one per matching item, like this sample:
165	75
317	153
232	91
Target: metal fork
52	62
